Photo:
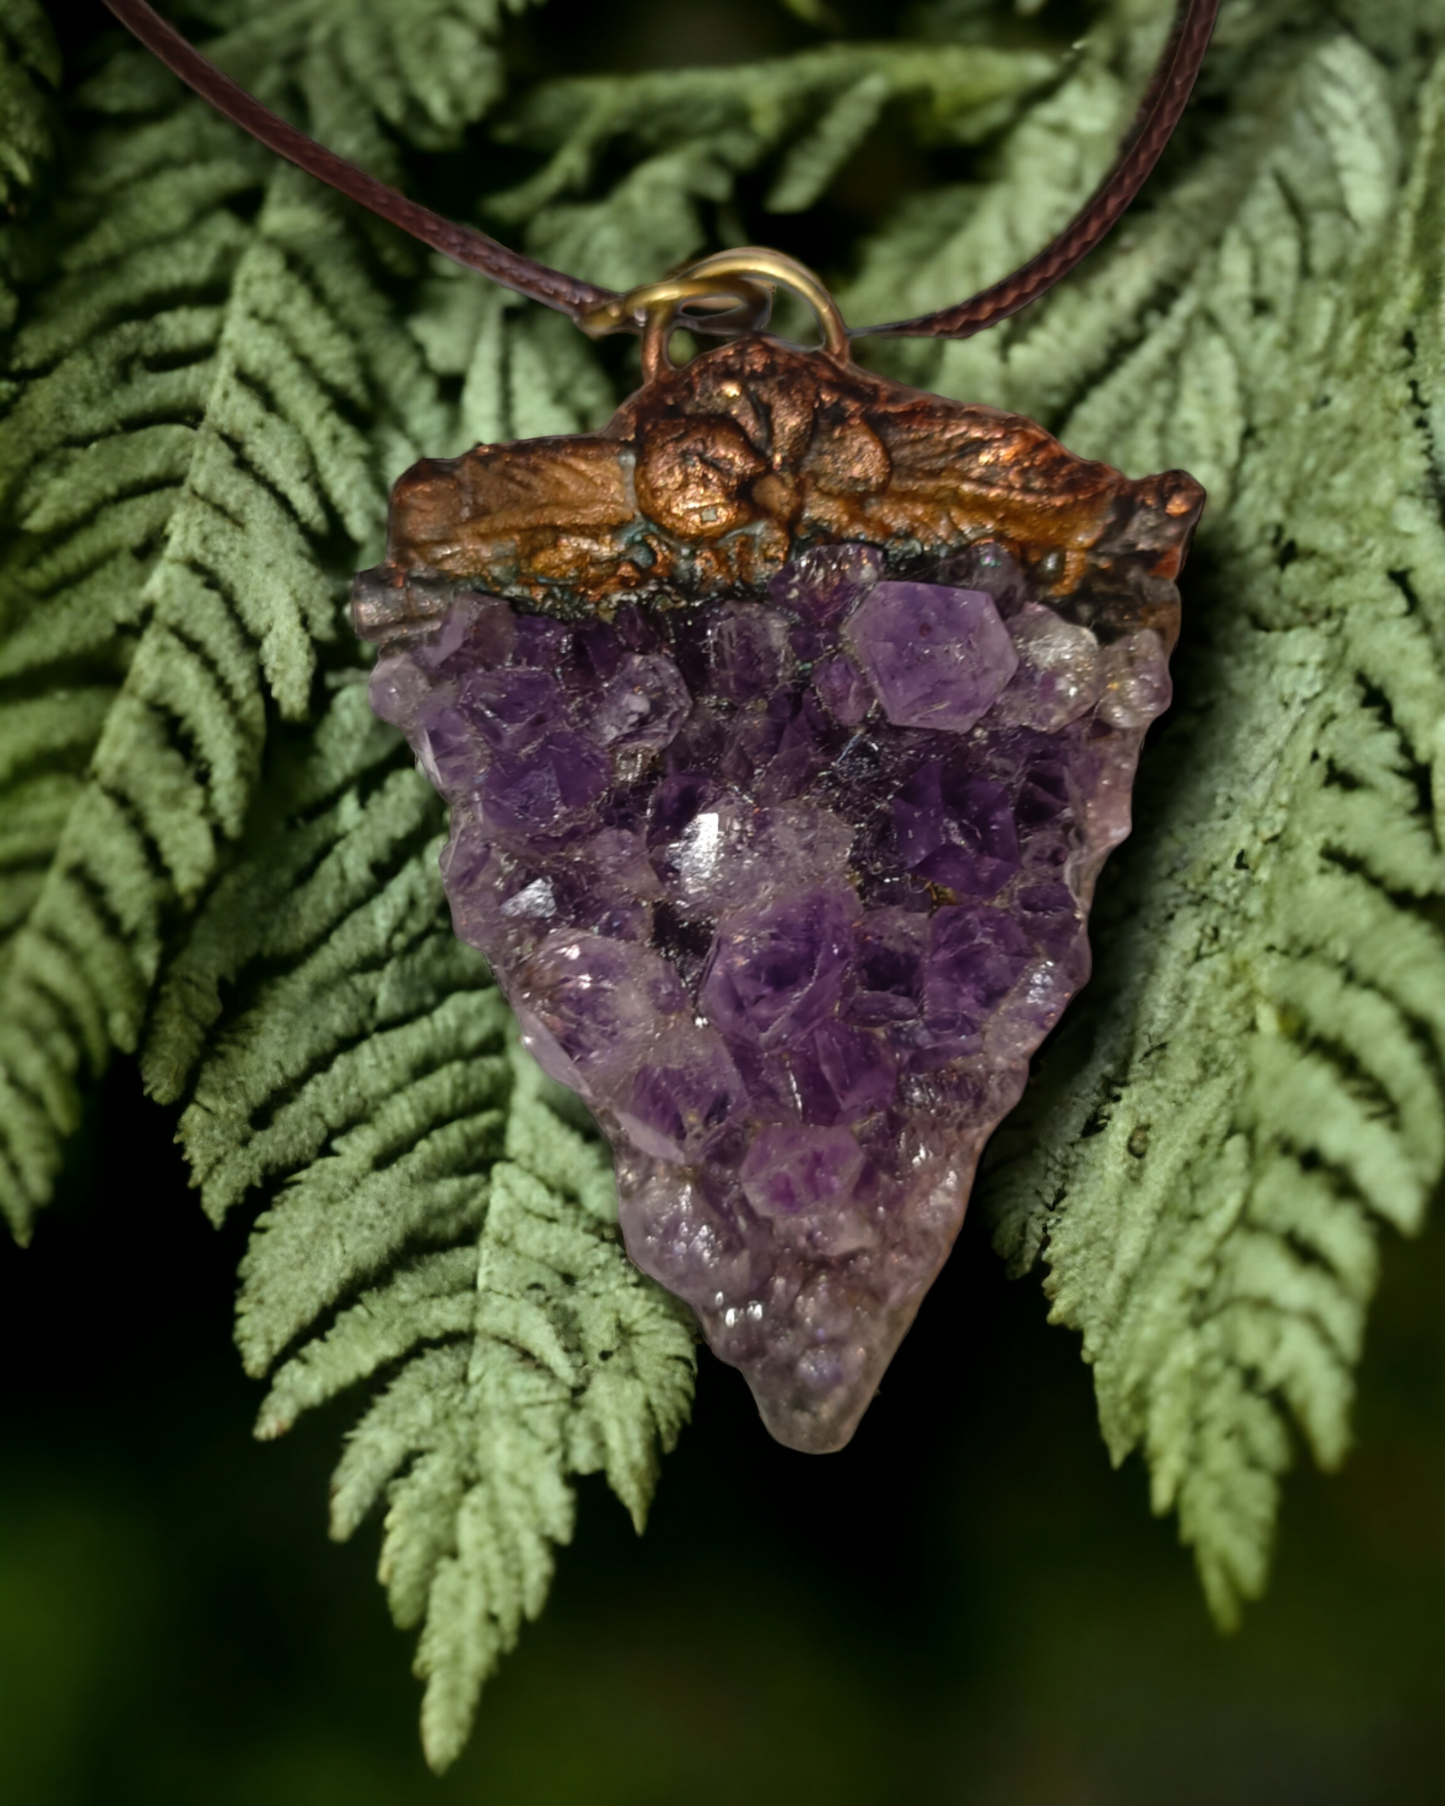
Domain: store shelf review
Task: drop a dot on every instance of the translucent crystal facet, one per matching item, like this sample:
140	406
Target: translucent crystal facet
937	657
787	886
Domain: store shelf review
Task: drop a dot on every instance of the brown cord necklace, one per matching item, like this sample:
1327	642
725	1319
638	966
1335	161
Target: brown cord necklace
785	725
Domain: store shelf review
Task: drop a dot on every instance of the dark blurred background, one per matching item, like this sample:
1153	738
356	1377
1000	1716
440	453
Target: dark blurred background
965	1606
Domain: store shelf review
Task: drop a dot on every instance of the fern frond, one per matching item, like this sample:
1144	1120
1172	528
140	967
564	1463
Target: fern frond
693	132
1207	1160
185	479
425	71
431	1217
951	241
524	372
29	77
573	1364
208	847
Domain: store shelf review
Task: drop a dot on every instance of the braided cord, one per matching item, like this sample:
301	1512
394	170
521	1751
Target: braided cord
1153	127
1154	124
474	250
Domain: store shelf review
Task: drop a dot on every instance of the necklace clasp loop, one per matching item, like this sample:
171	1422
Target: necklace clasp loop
732	290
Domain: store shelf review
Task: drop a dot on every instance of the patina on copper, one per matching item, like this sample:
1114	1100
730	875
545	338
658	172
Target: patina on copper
709	478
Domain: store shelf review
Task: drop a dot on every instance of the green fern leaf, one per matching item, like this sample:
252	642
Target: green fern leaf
176	474
1257	1087
426	71
188	485
431	1215
694	132
210	850
524	372
434	1217
573	1363
29	76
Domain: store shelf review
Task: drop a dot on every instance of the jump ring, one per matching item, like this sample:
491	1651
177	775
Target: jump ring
757	262
730	284
738	305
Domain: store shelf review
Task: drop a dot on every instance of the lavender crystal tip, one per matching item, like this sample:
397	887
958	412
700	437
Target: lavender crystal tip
788	886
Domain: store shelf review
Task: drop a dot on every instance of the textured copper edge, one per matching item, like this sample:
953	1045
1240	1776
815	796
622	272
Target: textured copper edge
709	479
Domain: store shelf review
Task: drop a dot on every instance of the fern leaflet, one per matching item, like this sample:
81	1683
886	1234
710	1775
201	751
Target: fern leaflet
209	850
431	1215
1208	1156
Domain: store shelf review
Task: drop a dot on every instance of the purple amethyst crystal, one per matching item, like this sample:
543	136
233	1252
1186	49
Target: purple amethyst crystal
1059	675
643	703
751	653
777	968
685	1091
593	1000
955	829
936	657
788	887
805	1182
843	689
823	584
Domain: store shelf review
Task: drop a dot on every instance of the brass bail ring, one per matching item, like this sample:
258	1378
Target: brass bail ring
715	304
730	285
757	263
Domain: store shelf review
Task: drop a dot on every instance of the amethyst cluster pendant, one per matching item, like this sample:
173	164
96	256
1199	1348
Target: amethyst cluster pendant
785	726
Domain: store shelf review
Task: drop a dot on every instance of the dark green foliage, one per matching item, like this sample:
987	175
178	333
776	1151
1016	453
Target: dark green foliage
420	1178
205	400
211	856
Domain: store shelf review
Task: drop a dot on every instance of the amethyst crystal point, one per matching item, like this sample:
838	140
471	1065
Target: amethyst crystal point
937	657
843	689
796	975
781	765
821	585
777	968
